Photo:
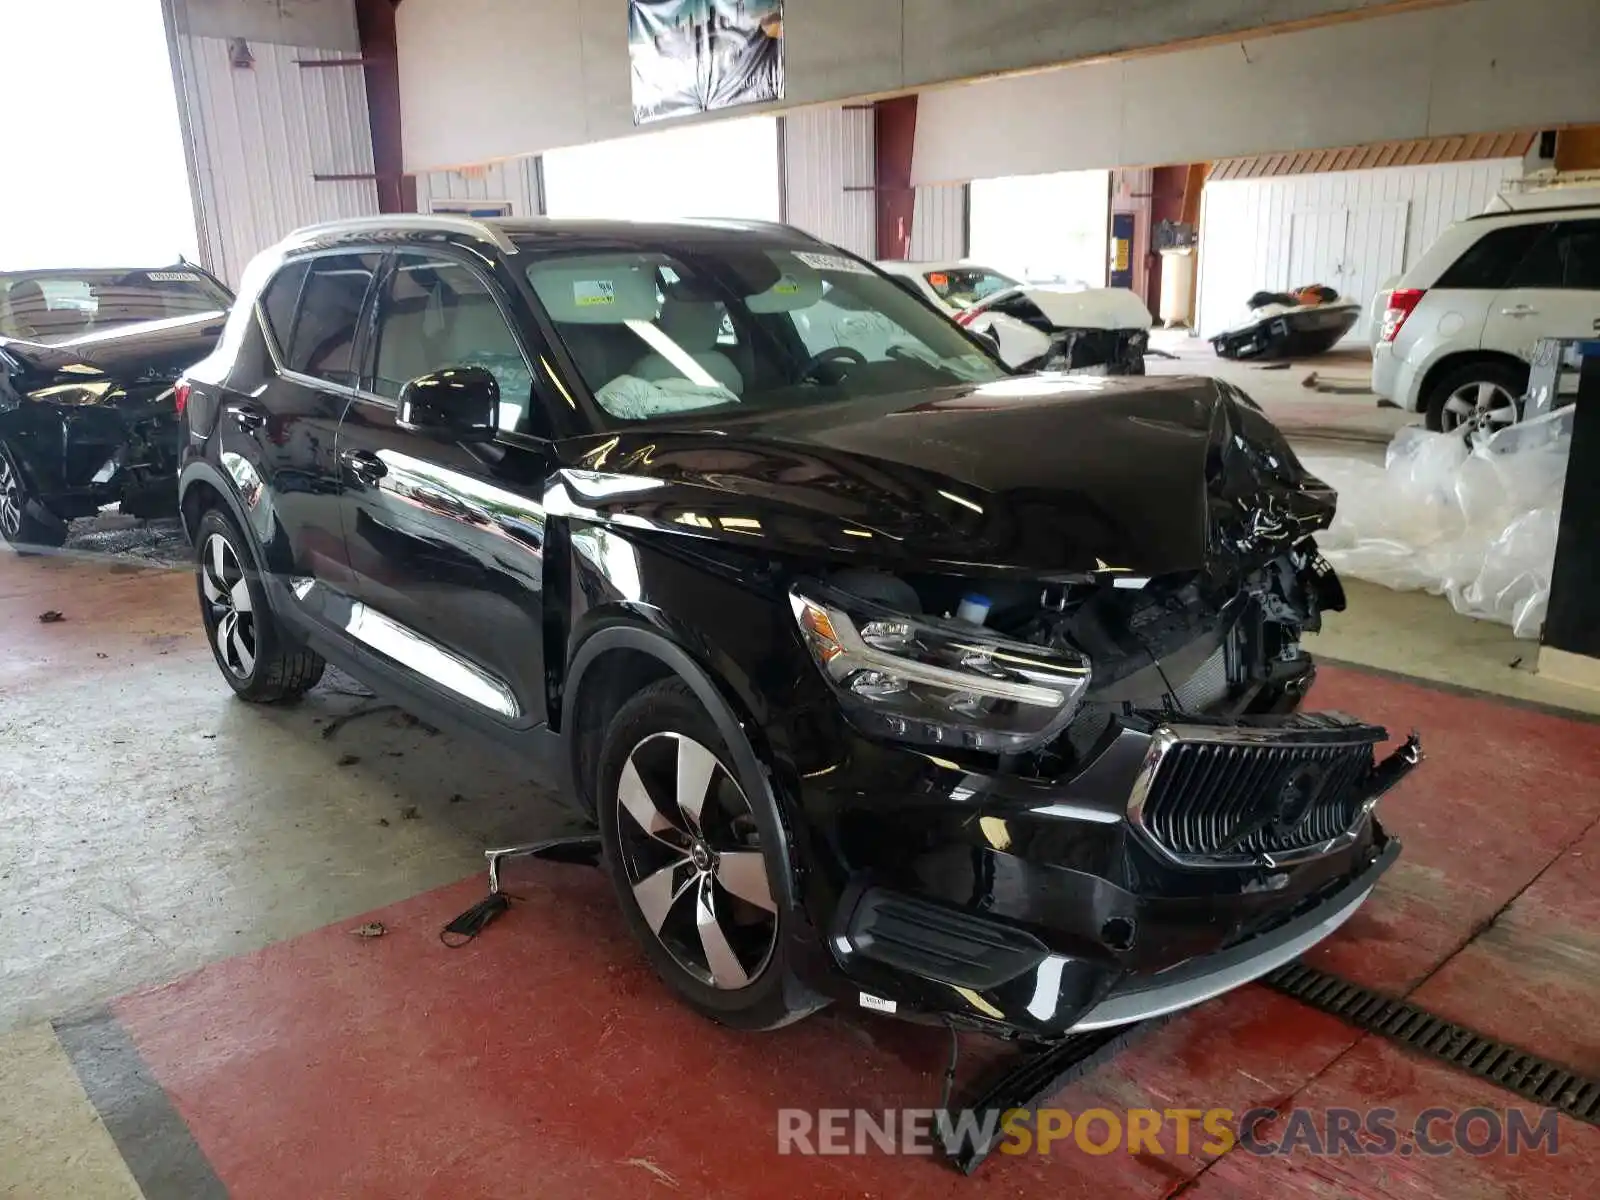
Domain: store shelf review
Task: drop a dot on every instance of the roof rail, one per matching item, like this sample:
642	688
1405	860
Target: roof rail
440	222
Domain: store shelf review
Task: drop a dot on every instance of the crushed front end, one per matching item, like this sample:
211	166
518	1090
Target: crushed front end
1182	829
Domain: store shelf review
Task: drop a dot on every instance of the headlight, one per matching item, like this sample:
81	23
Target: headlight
937	682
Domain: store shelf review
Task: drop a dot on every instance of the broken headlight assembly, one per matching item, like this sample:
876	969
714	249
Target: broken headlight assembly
935	681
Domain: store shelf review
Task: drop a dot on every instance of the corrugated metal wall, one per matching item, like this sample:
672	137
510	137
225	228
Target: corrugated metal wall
939	223
515	182
1357	228
826	150
259	134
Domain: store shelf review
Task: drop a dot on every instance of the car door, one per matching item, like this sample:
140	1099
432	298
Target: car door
447	539
1554	292
278	427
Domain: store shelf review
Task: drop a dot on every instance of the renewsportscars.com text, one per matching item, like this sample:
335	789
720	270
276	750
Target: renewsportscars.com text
1329	1132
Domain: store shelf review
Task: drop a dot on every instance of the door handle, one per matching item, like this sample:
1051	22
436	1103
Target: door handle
366	466
247	417
1519	310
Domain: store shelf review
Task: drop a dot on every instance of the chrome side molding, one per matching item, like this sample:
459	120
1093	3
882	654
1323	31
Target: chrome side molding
421	655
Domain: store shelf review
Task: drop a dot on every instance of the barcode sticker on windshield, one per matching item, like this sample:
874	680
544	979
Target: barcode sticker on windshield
172	277
587	293
832	262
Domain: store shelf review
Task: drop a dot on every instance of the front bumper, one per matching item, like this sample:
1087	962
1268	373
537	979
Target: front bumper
1035	910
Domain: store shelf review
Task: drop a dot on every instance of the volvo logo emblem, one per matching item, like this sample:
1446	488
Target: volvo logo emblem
1298	794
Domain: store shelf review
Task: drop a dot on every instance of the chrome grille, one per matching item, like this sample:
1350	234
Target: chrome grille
1207	799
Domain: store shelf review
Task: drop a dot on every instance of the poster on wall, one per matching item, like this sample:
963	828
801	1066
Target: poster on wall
692	56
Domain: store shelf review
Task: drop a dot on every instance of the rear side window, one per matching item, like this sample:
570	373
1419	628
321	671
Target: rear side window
324	337
1490	261
278	301
1580	255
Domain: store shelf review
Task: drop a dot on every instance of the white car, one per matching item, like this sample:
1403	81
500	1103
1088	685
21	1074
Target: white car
953	286
1112	325
1461	324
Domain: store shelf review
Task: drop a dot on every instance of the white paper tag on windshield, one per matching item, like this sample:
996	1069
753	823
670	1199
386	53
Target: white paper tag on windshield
832	262
876	1003
172	277
588	293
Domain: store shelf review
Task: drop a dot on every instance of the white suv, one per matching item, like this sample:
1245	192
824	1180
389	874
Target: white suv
1461	324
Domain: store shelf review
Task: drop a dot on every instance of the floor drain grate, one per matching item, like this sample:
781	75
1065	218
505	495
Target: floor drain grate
1528	1075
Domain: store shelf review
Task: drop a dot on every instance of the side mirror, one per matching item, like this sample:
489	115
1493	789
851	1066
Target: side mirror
457	404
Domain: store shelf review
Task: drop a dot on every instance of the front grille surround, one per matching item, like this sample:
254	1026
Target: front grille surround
1219	796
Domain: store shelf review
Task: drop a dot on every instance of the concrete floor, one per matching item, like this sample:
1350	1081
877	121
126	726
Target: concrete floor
158	830
156	824
1339	408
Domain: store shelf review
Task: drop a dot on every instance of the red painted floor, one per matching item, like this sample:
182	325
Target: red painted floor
545	1060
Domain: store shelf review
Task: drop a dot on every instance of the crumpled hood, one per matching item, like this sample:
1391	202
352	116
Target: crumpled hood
1045	476
127	353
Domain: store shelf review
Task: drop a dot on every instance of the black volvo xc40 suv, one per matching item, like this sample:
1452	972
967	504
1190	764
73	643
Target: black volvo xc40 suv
889	677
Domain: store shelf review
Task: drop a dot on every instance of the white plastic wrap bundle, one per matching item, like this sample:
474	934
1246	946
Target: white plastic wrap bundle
1477	526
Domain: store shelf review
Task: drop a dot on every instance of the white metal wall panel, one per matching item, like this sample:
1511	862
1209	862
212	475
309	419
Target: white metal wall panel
1247	228
826	151
259	136
939	224
1441	70
514	182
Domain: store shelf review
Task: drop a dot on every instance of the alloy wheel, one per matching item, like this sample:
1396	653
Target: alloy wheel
230	616
10	502
691	853
1481	408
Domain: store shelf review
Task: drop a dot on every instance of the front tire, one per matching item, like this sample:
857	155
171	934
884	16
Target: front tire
694	874
256	658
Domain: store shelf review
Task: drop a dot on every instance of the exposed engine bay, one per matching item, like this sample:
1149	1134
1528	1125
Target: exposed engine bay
1196	645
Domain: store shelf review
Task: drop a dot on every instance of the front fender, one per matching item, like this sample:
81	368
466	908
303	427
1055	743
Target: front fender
36	437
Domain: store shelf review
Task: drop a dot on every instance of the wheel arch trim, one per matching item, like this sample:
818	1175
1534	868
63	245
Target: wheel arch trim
630	636
1436	370
202	472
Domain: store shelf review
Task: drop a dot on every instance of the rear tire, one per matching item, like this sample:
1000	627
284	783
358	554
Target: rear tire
1484	396
20	524
693	870
259	661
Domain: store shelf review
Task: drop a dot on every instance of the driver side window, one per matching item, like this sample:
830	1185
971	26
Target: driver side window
436	314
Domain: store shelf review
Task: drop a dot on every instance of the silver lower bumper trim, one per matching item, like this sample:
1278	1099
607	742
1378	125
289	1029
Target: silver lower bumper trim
1195	988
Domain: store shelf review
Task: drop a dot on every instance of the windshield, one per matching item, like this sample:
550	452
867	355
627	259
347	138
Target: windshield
741	325
58	306
962	287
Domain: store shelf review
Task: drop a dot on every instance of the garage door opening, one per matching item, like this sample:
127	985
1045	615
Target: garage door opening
724	169
1043	228
107	184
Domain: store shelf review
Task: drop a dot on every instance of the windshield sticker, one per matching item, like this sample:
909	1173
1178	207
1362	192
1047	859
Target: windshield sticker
832	262
787	286
589	293
172	277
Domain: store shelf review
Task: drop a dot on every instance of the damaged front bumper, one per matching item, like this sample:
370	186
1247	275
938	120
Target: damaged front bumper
1036	910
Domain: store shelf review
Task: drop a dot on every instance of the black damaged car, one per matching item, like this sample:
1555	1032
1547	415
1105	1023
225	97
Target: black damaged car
88	415
888	677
